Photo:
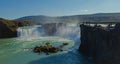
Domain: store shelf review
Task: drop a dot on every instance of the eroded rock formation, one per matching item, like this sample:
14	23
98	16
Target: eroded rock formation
102	44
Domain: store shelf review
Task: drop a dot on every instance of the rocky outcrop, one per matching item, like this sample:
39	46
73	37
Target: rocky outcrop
8	28
102	44
22	23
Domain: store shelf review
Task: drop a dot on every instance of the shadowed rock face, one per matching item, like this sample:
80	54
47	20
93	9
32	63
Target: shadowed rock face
102	44
8	28
51	28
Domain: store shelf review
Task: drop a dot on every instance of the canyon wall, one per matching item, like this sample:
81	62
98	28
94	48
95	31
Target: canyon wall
8	28
101	43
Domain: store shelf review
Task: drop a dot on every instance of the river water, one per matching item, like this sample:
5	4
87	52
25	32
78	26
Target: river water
18	50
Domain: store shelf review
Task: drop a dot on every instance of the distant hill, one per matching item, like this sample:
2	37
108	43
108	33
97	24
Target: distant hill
99	17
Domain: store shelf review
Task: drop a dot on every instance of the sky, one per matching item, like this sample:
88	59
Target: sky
13	9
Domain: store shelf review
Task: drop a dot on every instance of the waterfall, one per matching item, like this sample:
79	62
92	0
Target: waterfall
64	30
70	30
30	31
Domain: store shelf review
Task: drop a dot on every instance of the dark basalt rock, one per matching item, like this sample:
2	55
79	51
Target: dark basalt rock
102	44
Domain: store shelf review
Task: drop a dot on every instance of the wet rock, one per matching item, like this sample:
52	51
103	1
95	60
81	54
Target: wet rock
48	48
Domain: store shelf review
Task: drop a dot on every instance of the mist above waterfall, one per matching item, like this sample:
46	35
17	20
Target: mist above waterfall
70	31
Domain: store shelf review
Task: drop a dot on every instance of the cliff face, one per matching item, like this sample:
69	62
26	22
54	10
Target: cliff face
8	28
102	44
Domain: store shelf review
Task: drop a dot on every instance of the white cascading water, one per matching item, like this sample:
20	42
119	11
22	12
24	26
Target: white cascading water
30	32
